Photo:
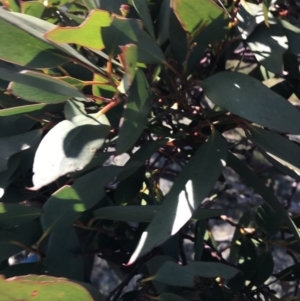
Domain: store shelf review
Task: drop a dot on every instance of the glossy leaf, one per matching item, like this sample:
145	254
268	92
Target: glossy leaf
142	9
281	149
68	147
266	107
121	32
190	188
87	34
15	144
63	255
42	88
195	15
42	288
268	44
174	274
12	215
258	185
136	113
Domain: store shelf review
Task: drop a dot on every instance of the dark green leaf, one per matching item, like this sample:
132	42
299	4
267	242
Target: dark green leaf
174	274
293	35
136	113
253	181
266	107
12	215
121	32
163	22
291	273
264	270
190	188
268	220
63	258
142	9
282	150
15	144
268	44
22	109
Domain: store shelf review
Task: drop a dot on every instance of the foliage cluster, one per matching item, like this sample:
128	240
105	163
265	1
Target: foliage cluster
85	81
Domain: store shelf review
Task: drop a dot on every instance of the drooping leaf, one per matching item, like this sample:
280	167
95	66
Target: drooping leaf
121	32
42	288
174	274
194	15
68	147
129	60
15	144
190	188
266	107
253	181
87	34
281	149
12	215
63	255
38	87
268	44
268	220
142	9
136	112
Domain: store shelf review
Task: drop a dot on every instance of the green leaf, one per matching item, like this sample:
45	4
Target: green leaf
136	113
293	35
163	22
12	215
194	15
61	209
142	9
282	150
268	44
70	202
268	220
63	258
22	110
35	52
174	274
266	107
190	188
265	266
12	241
253	181
200	229
33	8
148	50
73	108
41	288
88	34
121	32
15	144
68	147
266	5
23	269
129	59
38	87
